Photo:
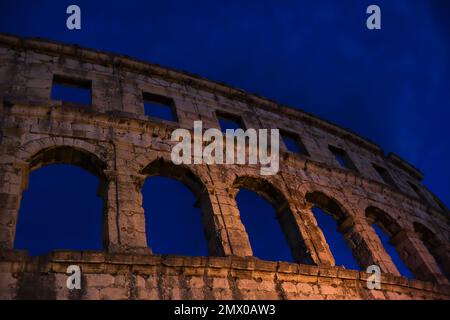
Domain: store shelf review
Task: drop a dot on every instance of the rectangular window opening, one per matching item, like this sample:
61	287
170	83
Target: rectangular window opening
160	107
440	203
229	121
71	90
294	143
342	158
384	174
418	192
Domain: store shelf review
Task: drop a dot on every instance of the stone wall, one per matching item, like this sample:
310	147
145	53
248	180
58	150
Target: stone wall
124	276
115	140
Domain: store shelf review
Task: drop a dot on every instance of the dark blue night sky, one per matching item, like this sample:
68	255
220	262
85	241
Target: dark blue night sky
391	86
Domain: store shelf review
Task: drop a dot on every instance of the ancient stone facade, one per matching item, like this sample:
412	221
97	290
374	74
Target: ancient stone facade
115	140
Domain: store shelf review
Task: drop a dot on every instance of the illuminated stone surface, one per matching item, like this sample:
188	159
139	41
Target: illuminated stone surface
114	139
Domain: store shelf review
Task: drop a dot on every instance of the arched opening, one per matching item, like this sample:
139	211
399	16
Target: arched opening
434	246
173	223
387	228
260	204
178	214
336	226
61	208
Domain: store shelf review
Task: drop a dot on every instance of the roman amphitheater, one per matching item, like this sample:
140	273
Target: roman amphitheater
114	139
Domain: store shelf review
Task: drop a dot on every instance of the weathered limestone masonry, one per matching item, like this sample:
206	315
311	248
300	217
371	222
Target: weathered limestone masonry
113	139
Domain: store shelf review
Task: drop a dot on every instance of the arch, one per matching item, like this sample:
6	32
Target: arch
38	152
389	225
184	174
264	188
173	223
344	236
435	247
53	150
387	229
60	210
70	155
33	147
284	214
426	235
328	204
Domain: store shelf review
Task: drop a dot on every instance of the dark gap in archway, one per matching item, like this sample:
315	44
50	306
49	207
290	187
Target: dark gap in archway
440	265
60	210
173	224
342	253
259	218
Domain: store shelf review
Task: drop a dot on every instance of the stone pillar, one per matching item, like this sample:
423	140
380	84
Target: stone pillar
108	191
417	257
125	217
13	180
366	245
214	228
313	236
443	252
229	227
295	233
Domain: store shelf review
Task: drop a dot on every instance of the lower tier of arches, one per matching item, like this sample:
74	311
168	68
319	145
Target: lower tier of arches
215	192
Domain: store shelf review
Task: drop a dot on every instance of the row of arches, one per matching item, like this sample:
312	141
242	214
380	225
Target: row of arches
174	227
